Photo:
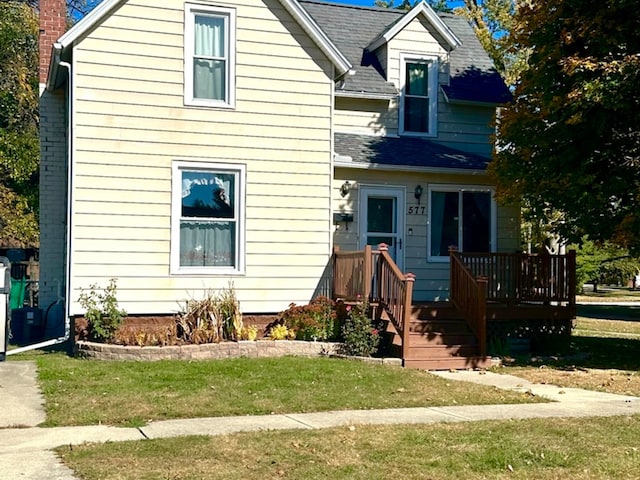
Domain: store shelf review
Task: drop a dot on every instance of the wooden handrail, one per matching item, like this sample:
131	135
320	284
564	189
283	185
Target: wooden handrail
373	275
468	294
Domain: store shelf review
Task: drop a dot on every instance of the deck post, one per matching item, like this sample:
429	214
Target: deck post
482	314
334	271
367	274
409	280
571	274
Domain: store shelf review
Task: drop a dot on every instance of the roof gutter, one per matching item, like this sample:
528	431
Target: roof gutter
67	297
341	163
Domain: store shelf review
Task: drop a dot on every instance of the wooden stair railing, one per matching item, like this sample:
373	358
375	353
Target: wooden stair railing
468	295
374	276
394	293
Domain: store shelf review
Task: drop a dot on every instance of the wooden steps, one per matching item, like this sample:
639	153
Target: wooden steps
439	340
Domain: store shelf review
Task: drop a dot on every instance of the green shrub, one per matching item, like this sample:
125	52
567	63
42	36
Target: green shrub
359	336
101	311
315	321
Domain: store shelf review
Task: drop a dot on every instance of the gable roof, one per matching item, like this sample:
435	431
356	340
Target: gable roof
104	9
448	37
352	28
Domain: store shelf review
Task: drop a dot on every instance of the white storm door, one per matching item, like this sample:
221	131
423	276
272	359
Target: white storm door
381	219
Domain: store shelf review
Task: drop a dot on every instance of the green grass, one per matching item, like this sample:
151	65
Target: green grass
85	392
604	354
577	449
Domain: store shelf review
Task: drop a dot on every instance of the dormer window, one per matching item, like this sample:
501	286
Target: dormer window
418	102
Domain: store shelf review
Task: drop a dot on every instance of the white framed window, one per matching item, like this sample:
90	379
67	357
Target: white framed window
207	218
419	95
209	56
461	216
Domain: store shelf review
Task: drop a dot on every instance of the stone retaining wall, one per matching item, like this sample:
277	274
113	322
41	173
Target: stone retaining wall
261	348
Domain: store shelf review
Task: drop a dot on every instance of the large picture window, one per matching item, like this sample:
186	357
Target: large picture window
207	226
209	56
418	105
461	217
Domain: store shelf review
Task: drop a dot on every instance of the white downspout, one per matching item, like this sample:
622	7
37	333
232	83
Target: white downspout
67	299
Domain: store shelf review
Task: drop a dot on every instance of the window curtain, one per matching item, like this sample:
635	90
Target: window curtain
209	63
417	76
444	222
207	244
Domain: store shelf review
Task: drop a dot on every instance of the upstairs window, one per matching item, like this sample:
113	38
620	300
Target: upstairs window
418	105
209	56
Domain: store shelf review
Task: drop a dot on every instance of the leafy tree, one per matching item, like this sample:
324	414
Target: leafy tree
492	21
19	143
569	144
603	263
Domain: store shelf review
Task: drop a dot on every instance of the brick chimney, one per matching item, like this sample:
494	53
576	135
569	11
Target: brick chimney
53	24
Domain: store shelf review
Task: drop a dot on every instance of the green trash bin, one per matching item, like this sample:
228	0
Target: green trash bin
18	292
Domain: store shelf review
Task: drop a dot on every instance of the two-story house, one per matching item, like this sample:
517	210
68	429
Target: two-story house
189	144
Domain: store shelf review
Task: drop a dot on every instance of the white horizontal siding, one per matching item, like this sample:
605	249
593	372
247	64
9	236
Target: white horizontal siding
131	124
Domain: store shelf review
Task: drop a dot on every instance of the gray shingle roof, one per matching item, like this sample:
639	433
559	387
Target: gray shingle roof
405	151
351	28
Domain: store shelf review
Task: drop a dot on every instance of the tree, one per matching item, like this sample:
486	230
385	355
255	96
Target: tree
569	144
437	5
19	143
603	263
492	21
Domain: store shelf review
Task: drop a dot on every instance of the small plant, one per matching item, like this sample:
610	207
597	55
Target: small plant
214	318
315	321
101	311
279	332
229	309
249	333
359	336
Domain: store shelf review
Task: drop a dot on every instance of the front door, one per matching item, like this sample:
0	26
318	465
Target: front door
381	219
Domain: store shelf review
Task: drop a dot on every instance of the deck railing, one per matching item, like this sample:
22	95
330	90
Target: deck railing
468	295
521	278
373	275
510	279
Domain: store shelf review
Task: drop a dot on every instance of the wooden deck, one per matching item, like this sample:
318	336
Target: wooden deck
495	298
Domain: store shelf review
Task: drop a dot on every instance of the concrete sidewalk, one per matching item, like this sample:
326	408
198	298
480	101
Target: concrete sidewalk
26	452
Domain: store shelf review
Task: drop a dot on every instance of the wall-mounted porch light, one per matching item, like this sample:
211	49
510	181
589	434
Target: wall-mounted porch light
344	189
418	193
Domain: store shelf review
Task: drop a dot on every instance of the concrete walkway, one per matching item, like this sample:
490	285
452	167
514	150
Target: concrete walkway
25	449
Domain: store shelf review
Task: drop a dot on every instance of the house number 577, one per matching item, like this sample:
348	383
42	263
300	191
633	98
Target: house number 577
416	210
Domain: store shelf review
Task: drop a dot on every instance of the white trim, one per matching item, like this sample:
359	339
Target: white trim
88	22
400	194
366	95
339	162
229	16
435	187
308	24
300	15
445	32
432	62
177	167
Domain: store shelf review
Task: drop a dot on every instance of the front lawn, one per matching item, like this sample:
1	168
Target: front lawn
86	392
605	354
577	449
